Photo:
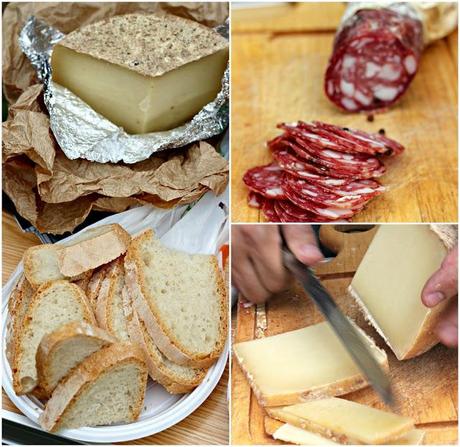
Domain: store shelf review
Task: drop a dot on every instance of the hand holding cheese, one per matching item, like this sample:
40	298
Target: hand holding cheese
257	266
442	286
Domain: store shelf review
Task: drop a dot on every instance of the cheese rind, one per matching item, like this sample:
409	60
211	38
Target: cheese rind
305	364
345	421
142	81
388	284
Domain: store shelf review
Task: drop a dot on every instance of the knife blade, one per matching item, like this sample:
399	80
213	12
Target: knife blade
347	334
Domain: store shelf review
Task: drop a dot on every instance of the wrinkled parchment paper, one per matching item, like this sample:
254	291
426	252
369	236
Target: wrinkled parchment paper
56	194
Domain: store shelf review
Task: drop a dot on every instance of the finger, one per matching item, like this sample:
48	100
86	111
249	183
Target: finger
246	280
264	245
443	283
302	242
447	330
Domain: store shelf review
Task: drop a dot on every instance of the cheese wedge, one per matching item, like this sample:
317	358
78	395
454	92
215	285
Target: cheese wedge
389	282
305	364
144	73
344	421
295	435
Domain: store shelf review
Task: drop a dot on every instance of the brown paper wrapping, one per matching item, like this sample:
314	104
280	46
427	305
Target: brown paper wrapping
56	194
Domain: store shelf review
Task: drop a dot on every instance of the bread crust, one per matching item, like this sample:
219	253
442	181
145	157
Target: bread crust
19	387
84	375
173	384
51	342
93	252
164	339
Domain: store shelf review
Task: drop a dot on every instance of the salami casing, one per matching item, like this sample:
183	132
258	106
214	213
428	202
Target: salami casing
374	59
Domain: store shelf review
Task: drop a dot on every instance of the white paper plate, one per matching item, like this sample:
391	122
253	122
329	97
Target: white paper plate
201	230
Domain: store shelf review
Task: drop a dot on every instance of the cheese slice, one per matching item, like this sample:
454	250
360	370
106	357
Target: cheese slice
344	421
299	436
299	365
144	73
389	282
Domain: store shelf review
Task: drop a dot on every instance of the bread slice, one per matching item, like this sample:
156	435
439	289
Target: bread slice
181	299
109	306
108	387
64	348
95	282
177	379
95	247
52	305
18	303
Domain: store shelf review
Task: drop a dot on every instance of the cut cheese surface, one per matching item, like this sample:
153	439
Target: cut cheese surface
301	364
345	421
389	282
144	73
294	435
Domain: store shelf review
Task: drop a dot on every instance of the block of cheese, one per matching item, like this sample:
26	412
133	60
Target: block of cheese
299	436
144	73
390	279
344	421
299	365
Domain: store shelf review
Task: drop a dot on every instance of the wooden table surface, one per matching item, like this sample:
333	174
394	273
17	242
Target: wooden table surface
279	55
209	424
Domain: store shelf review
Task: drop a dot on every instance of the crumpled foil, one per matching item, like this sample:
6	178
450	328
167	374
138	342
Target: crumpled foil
83	133
438	18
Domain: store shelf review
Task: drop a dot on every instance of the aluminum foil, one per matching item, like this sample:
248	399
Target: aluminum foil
438	19
83	133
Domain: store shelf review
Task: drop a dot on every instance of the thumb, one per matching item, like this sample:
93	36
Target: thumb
302	242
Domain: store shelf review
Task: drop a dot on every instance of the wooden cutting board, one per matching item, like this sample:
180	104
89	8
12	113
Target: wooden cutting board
425	386
279	56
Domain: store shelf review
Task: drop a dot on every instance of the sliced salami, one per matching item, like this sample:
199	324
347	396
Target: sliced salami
323	179
265	180
375	57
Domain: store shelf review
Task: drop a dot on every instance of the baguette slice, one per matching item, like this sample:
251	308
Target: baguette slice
177	379
95	282
96	247
181	299
108	387
17	307
64	348
109	305
52	305
344	421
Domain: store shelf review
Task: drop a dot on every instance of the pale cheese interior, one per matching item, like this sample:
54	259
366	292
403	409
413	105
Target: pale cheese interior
358	423
298	361
140	104
390	279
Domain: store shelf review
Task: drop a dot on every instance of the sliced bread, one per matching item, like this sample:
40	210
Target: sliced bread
17	306
66	347
181	299
95	282
95	247
109	306
108	387
52	305
177	379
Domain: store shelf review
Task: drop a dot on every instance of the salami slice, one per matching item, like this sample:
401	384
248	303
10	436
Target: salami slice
268	209
375	57
265	180
322	196
289	212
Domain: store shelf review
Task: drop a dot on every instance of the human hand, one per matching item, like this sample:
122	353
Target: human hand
257	266
442	286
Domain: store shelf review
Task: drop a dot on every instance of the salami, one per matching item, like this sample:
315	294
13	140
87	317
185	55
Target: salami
375	56
322	179
265	180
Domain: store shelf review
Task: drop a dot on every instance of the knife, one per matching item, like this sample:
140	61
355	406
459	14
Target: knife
347	334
